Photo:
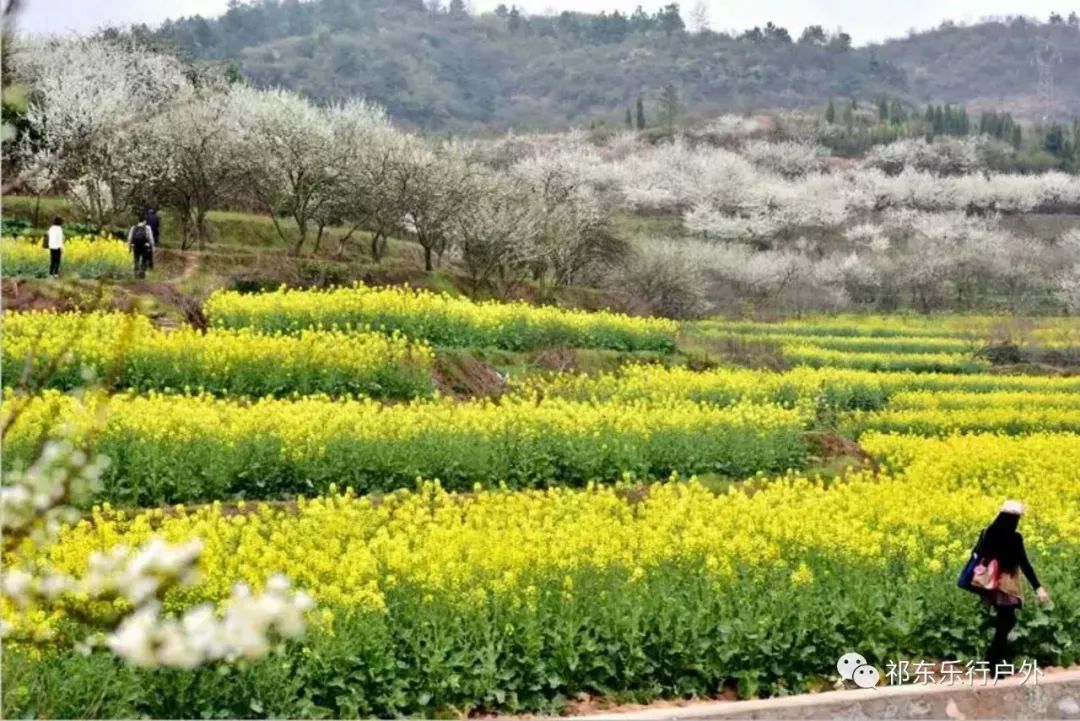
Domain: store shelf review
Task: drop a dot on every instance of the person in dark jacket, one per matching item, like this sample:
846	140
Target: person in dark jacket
1001	542
141	243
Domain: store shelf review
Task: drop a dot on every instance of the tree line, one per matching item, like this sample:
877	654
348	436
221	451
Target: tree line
117	129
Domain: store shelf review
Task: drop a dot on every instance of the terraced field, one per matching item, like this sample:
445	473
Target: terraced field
516	551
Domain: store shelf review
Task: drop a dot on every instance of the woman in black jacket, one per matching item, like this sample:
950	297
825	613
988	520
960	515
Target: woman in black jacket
1001	542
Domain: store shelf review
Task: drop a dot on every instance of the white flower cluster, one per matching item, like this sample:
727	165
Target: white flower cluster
35	504
246	629
1068	277
117	574
795	187
788	159
910	254
726	128
33	500
943	155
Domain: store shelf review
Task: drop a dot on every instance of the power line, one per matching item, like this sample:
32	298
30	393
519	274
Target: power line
1045	57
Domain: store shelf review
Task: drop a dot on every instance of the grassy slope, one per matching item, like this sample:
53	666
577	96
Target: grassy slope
245	251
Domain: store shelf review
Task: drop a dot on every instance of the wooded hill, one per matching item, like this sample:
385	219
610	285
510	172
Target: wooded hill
443	69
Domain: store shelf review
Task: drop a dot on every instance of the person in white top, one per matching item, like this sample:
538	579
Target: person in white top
56	246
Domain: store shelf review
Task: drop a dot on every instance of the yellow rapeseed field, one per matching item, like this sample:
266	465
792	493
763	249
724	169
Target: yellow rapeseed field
129	351
547	561
84	256
918	519
167	448
441	319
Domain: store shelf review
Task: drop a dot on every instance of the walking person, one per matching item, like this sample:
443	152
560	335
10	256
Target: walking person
141	242
154	222
55	242
999	559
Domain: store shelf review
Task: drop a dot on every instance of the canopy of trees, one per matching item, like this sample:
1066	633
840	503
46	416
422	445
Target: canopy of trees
434	66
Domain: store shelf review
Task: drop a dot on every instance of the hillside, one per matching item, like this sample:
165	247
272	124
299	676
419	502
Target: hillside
448	70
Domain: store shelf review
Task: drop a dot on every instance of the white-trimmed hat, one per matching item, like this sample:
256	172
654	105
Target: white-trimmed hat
1011	506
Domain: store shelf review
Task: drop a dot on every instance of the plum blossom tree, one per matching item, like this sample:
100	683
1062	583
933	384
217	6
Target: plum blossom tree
1067	281
945	155
574	240
663	278
435	185
788	159
361	131
496	233
89	102
378	175
711	223
291	163
196	142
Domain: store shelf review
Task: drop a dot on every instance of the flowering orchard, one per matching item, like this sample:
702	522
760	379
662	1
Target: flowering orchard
778	224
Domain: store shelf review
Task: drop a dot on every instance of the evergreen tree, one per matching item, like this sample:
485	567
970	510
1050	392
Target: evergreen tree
568	24
1017	137
513	20
640	113
813	35
457	7
841	42
618	26
897	114
629	118
640	21
1056	142
830	112
668	110
776	34
883	109
754	35
963	123
669	20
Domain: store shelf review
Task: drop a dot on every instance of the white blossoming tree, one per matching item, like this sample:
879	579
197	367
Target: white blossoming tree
89	104
497	231
292	165
365	196
573	239
435	186
195	142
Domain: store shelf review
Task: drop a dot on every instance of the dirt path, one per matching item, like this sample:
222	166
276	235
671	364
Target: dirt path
191	266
